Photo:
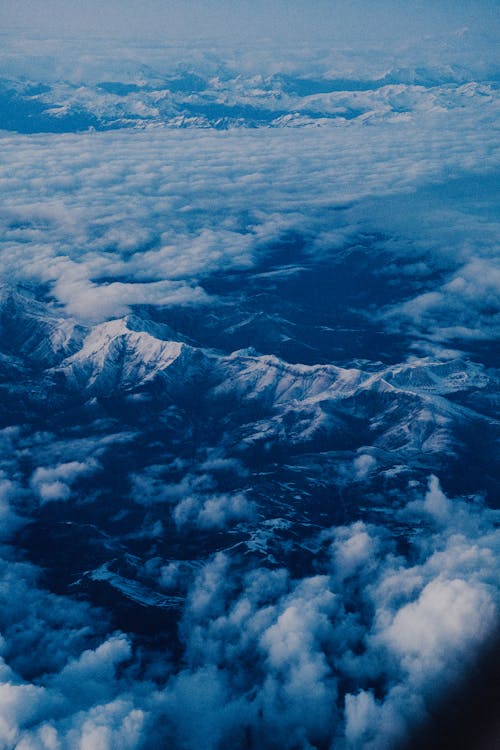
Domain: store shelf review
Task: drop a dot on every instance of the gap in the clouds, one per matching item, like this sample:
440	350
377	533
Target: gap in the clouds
485	351
24	114
478	461
304	309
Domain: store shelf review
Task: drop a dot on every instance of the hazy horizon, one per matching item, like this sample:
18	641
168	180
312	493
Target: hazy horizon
354	22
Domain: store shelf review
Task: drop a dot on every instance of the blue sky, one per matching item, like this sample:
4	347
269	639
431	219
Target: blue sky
388	21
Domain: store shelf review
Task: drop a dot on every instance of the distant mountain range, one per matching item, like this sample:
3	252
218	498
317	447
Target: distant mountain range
225	99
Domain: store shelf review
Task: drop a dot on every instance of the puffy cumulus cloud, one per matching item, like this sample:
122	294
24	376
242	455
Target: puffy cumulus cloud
361	715
363	465
87	678
41	631
274	632
194	498
202	710
60	681
175	575
95	302
54	483
436	503
355	656
44	448
447	615
214	512
463	308
21	704
57	689
110	726
299	682
77	709
152	485
353	548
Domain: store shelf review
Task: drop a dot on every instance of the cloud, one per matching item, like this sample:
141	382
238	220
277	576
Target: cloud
443	238
412	624
145	216
361	715
213	512
448	616
363	465
462	308
54	483
353	548
269	658
58	689
436	503
91	302
86	680
152	486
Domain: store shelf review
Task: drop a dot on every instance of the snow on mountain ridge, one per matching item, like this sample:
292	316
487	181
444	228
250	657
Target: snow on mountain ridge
264	397
33	332
114	356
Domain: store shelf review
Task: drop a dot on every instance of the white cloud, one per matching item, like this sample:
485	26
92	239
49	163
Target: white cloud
448	617
436	503
221	510
54	483
414	624
364	464
87	679
135	217
213	511
361	715
353	547
265	655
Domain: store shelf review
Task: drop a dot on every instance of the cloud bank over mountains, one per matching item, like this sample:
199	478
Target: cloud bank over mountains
131	217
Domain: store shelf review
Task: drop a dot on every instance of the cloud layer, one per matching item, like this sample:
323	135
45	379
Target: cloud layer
124	218
352	654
